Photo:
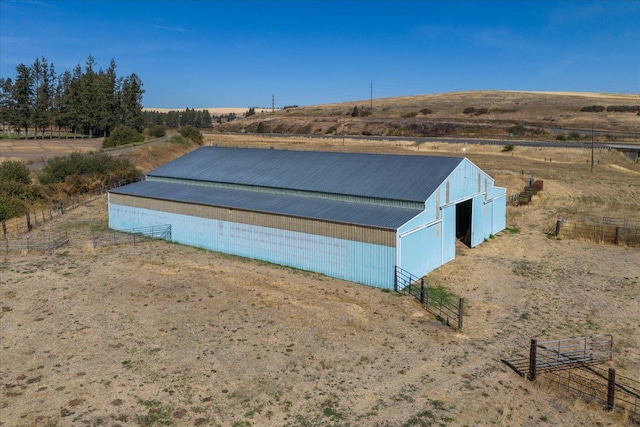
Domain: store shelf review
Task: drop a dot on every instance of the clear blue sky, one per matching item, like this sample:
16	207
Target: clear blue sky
238	53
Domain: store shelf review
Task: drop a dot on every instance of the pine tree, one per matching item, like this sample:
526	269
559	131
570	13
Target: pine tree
22	94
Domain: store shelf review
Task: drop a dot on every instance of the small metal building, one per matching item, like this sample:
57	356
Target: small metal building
352	216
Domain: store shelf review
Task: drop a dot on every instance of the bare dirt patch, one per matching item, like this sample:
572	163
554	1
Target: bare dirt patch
159	333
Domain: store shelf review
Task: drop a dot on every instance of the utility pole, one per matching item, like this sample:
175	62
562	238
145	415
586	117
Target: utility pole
371	102
273	103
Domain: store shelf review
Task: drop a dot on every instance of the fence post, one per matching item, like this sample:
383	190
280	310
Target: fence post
558	226
611	389
4	229
532	359
616	240
395	279
460	313
422	291
29	227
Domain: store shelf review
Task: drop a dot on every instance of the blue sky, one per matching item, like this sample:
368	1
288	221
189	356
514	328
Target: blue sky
239	53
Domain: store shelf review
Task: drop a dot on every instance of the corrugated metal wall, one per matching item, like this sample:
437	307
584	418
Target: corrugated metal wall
355	253
362	262
429	240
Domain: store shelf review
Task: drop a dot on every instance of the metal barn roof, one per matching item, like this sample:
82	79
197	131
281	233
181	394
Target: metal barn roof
386	176
387	217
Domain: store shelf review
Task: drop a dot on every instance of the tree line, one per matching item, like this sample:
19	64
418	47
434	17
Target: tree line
200	119
87	101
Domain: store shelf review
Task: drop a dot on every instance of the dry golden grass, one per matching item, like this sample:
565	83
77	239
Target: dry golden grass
166	334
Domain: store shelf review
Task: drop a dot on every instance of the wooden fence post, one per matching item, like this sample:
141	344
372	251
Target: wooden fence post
29	227
422	291
460	314
4	229
611	389
558	226
532	359
616	240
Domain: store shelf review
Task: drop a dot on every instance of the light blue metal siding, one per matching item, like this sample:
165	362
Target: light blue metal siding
421	251
448	233
480	221
499	218
359	262
429	239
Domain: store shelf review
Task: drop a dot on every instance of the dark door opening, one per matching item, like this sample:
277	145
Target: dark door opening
463	222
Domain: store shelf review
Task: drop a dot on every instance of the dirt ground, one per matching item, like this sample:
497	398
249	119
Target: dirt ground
163	334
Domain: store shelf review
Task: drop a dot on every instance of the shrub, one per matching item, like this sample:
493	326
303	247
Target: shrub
157	131
574	136
561	137
179	139
508	147
426	111
14	171
592	109
469	110
192	133
481	111
87	171
354	112
122	135
260	128
517	129
410	114
624	108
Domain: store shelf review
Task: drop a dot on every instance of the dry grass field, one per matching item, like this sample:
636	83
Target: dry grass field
443	115
162	334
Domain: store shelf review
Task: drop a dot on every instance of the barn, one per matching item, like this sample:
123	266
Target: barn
352	216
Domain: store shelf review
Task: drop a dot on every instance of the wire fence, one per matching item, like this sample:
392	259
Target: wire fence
133	236
610	230
447	308
45	242
39	217
575	365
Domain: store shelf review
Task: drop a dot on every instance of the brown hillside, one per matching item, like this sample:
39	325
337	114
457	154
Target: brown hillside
489	114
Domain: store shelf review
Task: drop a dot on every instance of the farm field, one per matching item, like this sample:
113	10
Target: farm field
161	334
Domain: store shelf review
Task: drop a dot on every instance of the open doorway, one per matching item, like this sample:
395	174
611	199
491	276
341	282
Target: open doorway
463	222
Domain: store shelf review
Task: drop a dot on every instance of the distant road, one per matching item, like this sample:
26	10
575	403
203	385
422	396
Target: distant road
422	140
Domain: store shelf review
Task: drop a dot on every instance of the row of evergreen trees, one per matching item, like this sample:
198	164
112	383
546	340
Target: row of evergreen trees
83	100
189	117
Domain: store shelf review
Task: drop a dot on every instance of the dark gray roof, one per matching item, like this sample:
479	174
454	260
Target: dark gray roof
385	176
379	216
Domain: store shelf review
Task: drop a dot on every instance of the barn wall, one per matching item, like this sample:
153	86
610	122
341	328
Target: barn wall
420	247
429	240
376	236
367	263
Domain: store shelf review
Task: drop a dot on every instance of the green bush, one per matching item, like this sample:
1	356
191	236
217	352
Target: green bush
14	171
469	110
260	128
157	131
574	136
122	135
517	129
192	133
508	147
16	189
426	111
179	139
87	171
561	137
